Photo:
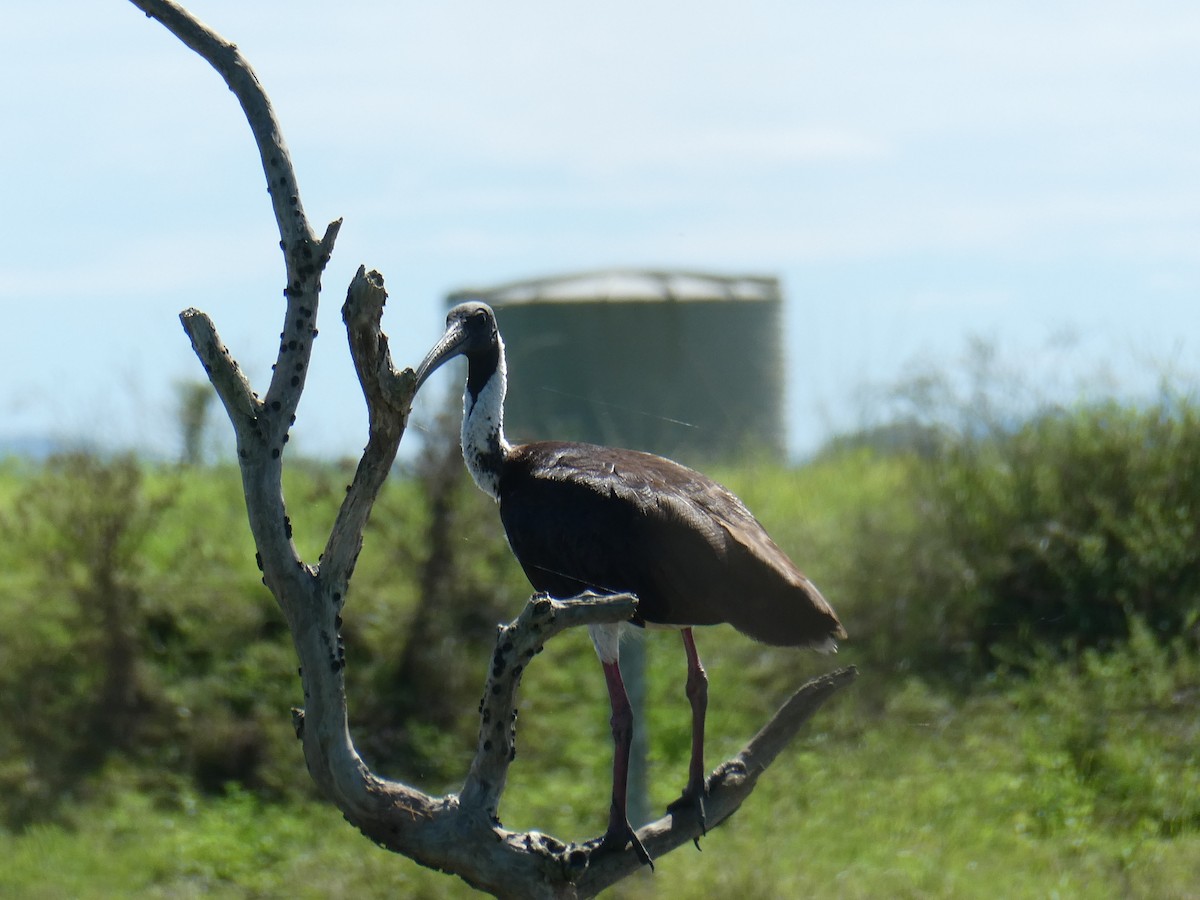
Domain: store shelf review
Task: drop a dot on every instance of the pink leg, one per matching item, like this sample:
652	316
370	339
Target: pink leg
619	831
697	694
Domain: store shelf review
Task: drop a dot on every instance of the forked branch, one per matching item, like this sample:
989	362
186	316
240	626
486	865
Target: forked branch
457	833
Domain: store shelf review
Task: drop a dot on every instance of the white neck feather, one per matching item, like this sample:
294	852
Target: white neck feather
483	444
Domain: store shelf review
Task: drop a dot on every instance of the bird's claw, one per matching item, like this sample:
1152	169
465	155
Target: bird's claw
615	840
692	799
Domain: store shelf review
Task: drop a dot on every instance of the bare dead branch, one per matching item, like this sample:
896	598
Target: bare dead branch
304	254
224	56
227	378
389	395
457	833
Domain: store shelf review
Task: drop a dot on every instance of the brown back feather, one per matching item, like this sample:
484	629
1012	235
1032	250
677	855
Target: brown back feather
580	516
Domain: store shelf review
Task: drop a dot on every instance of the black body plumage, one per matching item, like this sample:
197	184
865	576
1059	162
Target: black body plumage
580	516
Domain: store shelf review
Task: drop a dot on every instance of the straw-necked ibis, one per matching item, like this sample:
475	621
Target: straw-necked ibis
582	517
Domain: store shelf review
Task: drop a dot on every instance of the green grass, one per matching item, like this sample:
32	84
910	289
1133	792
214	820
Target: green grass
1078	782
233	847
934	798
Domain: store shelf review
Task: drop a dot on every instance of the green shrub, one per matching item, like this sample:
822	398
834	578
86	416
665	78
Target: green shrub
1055	533
133	627
76	687
1075	524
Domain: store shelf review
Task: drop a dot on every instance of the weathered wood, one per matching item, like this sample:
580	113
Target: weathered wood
456	833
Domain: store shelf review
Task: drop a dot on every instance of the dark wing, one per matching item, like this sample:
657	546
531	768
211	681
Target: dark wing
583	517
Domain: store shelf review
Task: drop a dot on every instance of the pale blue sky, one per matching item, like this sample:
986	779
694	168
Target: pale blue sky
915	173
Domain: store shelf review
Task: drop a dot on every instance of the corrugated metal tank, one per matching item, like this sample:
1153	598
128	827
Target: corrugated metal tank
683	364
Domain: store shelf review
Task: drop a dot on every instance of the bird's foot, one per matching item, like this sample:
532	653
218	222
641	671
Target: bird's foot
618	837
692	800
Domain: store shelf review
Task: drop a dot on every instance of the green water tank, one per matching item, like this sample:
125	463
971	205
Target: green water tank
685	364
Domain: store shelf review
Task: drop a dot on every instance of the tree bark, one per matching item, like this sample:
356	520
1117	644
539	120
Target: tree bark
456	833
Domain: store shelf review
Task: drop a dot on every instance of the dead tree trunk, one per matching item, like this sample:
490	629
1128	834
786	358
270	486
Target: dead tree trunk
457	833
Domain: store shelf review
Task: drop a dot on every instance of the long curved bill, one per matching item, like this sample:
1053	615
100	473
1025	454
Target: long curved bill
448	346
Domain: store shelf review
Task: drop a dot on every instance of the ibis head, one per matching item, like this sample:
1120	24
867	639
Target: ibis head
471	332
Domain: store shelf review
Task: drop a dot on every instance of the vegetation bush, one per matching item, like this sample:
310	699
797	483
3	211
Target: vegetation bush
75	685
133	627
1079	524
1056	533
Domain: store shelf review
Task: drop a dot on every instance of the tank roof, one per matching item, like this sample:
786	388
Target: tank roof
626	285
